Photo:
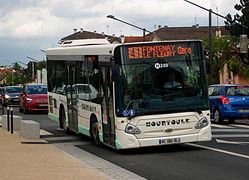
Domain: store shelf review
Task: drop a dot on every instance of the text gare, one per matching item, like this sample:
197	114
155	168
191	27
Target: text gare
157	51
167	123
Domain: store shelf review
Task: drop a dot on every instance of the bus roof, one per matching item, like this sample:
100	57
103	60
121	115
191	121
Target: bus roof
98	49
83	50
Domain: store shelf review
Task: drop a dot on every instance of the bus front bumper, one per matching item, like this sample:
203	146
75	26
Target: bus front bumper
126	141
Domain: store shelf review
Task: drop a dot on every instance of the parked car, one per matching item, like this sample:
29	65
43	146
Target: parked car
10	95
229	101
33	98
85	91
1	90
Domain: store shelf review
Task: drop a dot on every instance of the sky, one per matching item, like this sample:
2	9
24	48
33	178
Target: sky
27	27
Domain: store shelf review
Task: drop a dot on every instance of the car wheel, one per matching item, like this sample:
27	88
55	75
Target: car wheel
25	111
20	109
95	132
217	116
231	120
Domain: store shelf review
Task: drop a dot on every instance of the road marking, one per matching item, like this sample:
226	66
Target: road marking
231	142
229	135
221	126
219	150
240	125
230	130
44	132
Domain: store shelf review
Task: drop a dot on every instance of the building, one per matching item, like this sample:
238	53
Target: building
82	34
194	32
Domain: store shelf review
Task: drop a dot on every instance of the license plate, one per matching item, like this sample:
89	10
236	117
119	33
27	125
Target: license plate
15	100
43	105
169	141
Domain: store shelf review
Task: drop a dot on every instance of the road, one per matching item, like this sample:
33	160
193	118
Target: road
225	157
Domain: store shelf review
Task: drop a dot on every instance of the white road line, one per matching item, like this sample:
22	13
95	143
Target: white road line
231	142
240	125
230	135
230	130
44	132
221	126
219	150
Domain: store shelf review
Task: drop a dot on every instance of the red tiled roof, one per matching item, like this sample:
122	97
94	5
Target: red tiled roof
5	70
90	35
182	33
129	39
164	33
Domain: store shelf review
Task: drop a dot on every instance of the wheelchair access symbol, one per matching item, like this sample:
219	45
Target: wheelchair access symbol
130	112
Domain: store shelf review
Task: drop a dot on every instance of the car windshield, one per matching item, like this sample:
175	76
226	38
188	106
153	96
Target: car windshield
83	89
237	91
37	89
13	89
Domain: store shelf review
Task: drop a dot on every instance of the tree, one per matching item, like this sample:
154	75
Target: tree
236	25
225	51
40	65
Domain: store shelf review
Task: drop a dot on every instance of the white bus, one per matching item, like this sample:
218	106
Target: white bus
115	93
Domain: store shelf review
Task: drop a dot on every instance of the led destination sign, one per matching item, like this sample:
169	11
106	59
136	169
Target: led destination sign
157	51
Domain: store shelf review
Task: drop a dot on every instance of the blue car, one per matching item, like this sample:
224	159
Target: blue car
229	101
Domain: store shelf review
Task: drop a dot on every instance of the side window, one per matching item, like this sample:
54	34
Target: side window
214	91
210	91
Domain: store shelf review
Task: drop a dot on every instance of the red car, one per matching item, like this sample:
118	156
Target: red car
33	98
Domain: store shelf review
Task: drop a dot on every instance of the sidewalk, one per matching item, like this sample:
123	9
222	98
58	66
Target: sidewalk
20	161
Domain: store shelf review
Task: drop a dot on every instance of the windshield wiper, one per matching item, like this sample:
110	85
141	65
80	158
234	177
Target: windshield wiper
139	101
169	96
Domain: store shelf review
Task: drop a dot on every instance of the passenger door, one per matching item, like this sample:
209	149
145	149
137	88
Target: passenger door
107	105
72	99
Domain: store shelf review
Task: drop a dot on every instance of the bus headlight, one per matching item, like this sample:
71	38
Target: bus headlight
202	123
131	129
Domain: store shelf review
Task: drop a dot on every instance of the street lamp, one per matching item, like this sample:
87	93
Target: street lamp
210	25
143	29
43	51
33	66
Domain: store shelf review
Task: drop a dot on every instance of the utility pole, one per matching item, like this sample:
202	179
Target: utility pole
33	66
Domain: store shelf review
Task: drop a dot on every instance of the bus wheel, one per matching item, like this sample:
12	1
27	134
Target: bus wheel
63	121
95	132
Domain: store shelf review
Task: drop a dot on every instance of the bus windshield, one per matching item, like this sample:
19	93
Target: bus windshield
158	78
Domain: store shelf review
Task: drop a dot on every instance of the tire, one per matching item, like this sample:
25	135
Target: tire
95	132
63	121
217	117
20	109
231	120
25	111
